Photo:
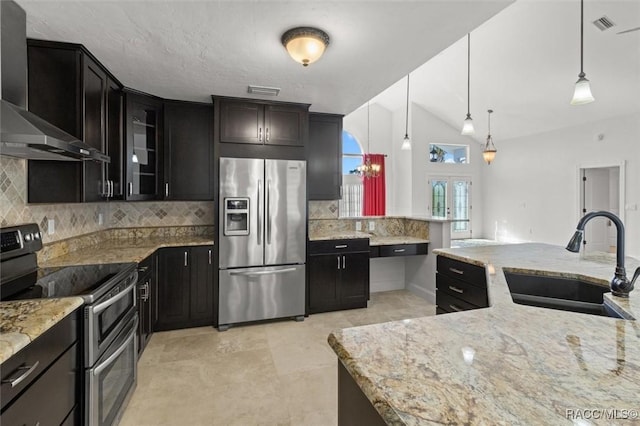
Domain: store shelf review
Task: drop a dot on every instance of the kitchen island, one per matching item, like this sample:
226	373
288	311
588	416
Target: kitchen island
506	364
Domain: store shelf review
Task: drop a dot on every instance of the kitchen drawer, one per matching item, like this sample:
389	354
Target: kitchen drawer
338	246
462	271
452	304
42	351
51	398
403	250
462	290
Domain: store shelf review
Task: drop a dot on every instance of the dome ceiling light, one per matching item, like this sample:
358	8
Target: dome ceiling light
305	44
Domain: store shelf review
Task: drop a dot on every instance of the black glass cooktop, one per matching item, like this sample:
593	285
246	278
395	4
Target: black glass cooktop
82	280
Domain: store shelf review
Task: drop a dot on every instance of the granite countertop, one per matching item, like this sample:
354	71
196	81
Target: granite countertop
374	240
506	364
21	322
124	250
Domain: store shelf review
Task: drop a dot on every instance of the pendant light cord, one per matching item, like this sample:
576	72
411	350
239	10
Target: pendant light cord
468	74
489	111
581	38
406	124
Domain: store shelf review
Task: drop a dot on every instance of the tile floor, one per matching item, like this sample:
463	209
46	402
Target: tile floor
278	373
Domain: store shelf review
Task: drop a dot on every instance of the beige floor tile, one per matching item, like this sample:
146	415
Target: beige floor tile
276	373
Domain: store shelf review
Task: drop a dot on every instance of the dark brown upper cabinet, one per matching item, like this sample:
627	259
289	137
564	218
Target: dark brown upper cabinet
143	147
69	88
254	122
324	157
188	151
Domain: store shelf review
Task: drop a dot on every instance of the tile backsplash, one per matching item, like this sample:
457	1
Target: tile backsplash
74	219
323	209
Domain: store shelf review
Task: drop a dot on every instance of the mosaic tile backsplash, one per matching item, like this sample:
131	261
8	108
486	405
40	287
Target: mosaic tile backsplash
77	219
323	209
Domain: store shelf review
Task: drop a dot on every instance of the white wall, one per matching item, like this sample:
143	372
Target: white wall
530	192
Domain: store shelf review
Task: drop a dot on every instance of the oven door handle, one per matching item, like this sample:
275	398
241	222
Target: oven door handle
104	305
112	358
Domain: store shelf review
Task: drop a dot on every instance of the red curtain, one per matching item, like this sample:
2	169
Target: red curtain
374	188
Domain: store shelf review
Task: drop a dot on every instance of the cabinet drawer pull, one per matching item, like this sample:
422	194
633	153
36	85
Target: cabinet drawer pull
455	308
341	246
399	250
456	289
27	370
456	271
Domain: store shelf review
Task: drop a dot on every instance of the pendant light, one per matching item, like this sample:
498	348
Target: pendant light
467	127
367	169
582	93
406	143
489	153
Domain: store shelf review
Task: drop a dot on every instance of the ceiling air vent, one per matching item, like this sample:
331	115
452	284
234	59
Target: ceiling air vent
263	90
603	23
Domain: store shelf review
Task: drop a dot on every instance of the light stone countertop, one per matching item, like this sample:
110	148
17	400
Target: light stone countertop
22	321
124	250
528	365
374	240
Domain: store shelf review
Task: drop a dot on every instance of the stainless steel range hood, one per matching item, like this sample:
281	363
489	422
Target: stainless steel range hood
22	133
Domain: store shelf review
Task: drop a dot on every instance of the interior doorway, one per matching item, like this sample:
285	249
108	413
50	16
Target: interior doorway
601	188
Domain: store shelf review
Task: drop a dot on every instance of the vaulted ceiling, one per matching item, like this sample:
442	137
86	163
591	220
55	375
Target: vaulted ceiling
191	49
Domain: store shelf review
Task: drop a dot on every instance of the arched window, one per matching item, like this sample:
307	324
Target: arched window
352	190
351	153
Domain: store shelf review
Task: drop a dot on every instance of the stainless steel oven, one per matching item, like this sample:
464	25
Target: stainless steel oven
104	318
110	382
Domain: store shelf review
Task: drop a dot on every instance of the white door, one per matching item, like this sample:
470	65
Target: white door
450	198
597	195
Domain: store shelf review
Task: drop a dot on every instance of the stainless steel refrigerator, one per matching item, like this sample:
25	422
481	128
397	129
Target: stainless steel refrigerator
262	240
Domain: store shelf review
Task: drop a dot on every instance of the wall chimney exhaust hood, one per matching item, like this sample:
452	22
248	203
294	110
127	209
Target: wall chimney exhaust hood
22	133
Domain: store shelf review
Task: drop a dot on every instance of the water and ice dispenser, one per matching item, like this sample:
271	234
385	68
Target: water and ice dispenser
236	216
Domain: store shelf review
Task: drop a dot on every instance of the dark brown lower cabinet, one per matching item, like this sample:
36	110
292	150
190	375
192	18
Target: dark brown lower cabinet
147	299
185	287
338	275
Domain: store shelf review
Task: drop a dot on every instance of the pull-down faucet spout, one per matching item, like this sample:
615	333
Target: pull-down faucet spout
620	284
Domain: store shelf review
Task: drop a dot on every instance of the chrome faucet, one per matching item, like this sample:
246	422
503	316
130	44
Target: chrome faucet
620	284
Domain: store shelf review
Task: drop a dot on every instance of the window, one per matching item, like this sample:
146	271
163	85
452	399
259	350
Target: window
451	199
445	153
352	188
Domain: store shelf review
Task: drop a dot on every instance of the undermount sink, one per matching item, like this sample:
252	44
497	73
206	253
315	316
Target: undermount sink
564	294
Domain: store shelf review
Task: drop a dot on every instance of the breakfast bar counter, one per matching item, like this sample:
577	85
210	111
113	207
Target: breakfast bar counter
506	364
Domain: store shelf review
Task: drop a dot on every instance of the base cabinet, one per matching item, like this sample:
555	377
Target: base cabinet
338	275
147	300
185	287
460	286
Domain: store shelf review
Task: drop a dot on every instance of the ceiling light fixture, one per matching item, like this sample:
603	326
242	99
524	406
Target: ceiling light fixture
467	127
263	90
489	153
406	143
582	93
305	44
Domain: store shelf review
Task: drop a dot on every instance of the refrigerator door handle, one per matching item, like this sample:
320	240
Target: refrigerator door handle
268	203
259	227
257	273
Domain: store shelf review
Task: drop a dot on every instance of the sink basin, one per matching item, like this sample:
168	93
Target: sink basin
564	294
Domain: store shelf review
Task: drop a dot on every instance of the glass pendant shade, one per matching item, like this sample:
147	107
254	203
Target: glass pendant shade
489	155
305	44
467	127
582	93
489	152
134	158
406	143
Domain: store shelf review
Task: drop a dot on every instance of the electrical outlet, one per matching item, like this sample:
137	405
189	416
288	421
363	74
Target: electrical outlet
358	225
51	227
100	219
372	225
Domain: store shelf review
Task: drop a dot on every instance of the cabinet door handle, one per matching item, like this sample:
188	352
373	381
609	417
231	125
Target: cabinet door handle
341	246
186	258
130	185
456	271
142	269
209	257
344	262
166	189
110	188
455	308
260	134
338	259
399	250
267	135
456	289
27	371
